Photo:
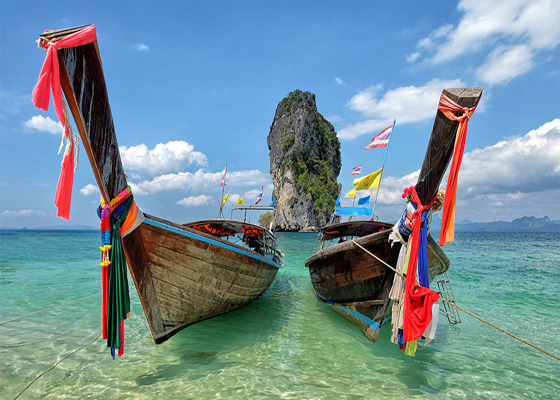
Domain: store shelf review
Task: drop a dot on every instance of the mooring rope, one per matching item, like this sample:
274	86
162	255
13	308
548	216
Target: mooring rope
56	364
461	309
66	356
48	309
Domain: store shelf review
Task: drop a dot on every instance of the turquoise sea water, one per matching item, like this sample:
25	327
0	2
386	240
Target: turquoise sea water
285	345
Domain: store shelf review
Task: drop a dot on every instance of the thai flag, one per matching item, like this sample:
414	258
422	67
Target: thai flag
259	198
381	139
356	170
223	182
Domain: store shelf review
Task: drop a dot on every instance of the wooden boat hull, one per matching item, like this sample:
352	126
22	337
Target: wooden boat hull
357	285
184	276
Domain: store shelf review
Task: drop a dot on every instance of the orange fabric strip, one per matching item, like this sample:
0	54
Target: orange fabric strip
447	106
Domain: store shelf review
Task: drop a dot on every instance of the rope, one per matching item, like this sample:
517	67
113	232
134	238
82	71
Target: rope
56	364
52	308
378	259
501	330
68	355
461	309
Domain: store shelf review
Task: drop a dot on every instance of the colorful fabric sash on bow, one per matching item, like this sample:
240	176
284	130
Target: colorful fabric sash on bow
447	106
418	297
49	79
115	216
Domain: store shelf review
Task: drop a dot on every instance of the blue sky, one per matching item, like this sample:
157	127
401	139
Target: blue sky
195	85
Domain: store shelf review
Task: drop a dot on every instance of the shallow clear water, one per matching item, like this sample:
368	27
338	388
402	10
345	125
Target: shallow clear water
286	344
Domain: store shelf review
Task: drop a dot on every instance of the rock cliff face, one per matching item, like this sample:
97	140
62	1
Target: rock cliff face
304	164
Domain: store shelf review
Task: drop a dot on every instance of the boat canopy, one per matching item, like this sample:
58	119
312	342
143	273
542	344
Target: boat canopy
353	229
224	228
363	211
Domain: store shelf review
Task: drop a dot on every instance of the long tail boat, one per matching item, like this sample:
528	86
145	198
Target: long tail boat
349	273
184	273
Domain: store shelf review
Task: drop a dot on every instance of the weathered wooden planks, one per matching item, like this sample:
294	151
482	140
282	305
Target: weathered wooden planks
337	272
194	280
180	279
372	302
81	69
349	274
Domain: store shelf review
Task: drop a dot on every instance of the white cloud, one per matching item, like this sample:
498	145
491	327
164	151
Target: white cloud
12	101
527	164
195	201
335	118
251	196
43	124
505	63
512	178
413	57
339	81
162	158
427	43
23	213
485	25
141	47
197	182
407	104
89	189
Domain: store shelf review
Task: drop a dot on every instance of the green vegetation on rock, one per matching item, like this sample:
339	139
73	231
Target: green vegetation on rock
288	142
315	175
290	98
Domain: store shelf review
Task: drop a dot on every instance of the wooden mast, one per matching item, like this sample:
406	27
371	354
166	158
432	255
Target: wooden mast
442	143
83	83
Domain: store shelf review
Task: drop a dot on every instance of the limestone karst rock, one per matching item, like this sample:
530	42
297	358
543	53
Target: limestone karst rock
304	164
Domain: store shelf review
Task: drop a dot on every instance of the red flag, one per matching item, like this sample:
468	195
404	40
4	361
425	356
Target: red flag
381	139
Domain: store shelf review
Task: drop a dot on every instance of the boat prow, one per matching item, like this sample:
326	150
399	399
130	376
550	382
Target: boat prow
354	271
357	285
183	275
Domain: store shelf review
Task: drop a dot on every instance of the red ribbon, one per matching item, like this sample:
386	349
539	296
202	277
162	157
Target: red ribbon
418	300
447	106
49	79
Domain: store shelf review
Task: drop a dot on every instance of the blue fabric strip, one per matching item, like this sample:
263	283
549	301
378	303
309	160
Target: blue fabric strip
366	211
423	278
367	320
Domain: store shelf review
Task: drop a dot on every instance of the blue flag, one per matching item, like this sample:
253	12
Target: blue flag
363	200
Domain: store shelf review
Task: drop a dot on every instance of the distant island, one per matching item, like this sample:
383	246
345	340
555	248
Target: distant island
53	228
523	224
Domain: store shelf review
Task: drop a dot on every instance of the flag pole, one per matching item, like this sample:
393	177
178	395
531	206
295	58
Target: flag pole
383	167
220	214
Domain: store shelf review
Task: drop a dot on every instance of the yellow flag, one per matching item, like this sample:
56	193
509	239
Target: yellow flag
370	181
225	198
351	193
240	201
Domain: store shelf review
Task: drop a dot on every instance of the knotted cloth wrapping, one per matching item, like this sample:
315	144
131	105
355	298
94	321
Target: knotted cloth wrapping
116	300
49	79
418	297
447	106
